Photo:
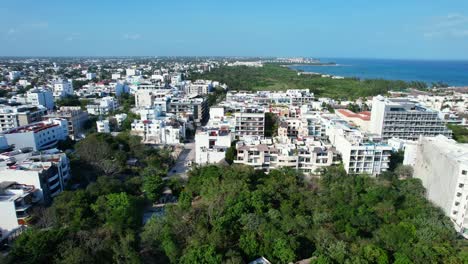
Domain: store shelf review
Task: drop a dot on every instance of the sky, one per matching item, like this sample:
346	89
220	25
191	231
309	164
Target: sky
397	29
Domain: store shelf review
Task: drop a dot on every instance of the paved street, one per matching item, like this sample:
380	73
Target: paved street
181	168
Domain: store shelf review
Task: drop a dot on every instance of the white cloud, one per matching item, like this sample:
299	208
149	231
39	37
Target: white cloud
134	36
451	25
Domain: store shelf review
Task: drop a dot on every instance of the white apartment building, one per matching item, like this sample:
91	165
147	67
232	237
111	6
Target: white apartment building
120	118
442	166
14	116
42	97
150	113
130	72
116	76
150	98
38	136
199	87
27	179
307	157
159	131
75	117
250	123
103	126
14	75
404	118
361	153
211	145
105	106
63	88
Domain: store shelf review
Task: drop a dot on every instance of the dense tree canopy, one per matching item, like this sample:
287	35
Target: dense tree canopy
237	214
275	77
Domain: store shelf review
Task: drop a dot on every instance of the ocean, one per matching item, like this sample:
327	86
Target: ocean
453	73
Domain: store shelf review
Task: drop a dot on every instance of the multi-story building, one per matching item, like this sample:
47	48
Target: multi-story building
199	87
16	201
75	117
442	166
38	136
250	123
159	131
150	98
307	157
63	88
90	75
195	107
103	126
404	118
211	145
104	107
360	152
14	116
27	179
42	97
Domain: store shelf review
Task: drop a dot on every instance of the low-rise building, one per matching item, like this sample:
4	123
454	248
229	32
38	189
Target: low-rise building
40	96
211	145
104	106
250	123
159	131
103	126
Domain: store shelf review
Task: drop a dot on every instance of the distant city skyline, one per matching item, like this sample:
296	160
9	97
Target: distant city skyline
320	29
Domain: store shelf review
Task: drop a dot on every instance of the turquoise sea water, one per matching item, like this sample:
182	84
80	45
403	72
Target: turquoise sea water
454	73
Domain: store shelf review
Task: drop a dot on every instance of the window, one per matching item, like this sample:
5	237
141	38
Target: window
461	185
464	172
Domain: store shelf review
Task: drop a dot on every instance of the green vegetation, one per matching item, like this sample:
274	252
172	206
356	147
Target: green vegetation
100	222
275	77
271	125
235	214
460	134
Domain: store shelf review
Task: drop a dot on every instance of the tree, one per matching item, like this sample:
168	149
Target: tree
201	254
152	183
117	210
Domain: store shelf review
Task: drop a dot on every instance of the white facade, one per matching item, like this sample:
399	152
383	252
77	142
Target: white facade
90	75
159	131
442	166
405	119
360	153
211	145
63	88
104	107
130	72
103	126
116	76
38	136
41	97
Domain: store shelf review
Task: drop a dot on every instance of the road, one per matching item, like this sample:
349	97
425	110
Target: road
180	168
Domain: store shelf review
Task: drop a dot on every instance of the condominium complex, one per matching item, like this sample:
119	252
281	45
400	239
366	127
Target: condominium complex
42	97
360	152
405	119
442	166
307	157
159	131
196	107
251	122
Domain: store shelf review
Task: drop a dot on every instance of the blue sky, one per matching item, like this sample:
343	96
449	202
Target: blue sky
414	29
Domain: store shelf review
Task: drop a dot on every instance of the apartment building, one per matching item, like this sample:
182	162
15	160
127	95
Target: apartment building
38	136
360	152
211	145
308	157
16	202
103	126
159	131
199	87
151	98
63	88
14	116
26	179
104	106
250	122
196	107
404	118
75	117
40	96
442	166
